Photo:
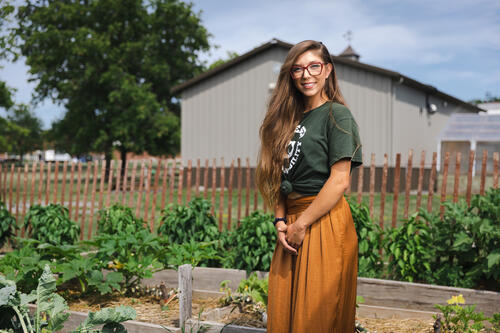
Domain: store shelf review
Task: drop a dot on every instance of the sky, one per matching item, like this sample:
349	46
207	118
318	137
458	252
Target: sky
452	45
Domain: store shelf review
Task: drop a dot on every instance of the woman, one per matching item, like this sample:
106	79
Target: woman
310	144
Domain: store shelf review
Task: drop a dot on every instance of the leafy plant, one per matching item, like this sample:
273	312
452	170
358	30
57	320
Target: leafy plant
119	219
458	318
51	224
252	243
180	224
198	254
134	255
8	225
369	241
409	250
50	313
251	295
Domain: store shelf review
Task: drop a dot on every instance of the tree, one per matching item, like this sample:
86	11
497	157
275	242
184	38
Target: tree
25	132
5	11
112	64
230	56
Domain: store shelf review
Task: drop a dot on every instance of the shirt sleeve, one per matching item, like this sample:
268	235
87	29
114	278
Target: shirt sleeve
343	139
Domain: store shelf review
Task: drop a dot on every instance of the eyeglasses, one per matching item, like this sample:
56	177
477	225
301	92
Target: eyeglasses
314	69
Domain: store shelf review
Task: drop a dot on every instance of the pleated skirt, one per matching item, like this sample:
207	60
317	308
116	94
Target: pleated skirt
315	291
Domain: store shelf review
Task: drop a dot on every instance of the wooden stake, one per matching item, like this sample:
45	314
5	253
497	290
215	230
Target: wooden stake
197	180
221	192
132	185
139	191
495	169
155	193
78	189
457	177
469	176
213	185
110	183
63	187
397	172
372	184
92	203
409	169
432	179
240	180
445	179
205	180
47	185
420	179
247	197
382	192
147	187
483	172
56	181
180	182
188	180
230	195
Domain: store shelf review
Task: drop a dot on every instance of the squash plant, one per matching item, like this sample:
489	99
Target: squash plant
117	218
51	224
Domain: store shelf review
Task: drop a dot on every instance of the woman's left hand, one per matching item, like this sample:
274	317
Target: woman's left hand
295	234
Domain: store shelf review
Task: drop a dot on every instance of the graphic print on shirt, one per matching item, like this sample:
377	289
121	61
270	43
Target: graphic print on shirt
294	149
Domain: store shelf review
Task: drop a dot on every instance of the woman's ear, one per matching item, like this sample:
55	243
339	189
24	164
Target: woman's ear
328	69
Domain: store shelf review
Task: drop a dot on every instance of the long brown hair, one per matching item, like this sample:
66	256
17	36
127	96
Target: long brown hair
284	113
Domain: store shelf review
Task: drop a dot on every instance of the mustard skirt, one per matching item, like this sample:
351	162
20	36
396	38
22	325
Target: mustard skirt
315	291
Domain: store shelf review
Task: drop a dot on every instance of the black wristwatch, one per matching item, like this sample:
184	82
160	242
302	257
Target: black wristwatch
277	219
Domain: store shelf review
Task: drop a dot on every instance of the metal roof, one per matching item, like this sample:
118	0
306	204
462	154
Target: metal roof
472	127
428	89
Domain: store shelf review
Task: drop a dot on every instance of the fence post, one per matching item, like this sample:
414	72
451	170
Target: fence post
185	293
397	173
469	176
445	179
456	184
409	167
372	184
420	179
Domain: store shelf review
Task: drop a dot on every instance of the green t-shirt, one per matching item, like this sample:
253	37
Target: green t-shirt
325	135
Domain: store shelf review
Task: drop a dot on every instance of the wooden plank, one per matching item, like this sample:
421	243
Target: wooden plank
221	191
172	181
118	177
71	192
40	183
240	180
139	191
155	195
372	184
188	181
110	183
397	173
432	179
85	193
25	193
230	196
457	177
101	183
483	172
185	294
147	187
495	169
56	181
18	189
164	184
132	185
255	198
409	167
4	196
125	183
78	189
180	182
33	183
205	180
197	179
360	183
383	189
63	185
469	177
247	197
47	185
213	185
420	179
443	184
92	203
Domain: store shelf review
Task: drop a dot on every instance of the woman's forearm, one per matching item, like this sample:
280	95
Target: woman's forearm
279	208
327	198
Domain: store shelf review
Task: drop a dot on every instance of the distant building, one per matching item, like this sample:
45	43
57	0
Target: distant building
490	107
222	109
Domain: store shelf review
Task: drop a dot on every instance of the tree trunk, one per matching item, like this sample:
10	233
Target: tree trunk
107	158
123	156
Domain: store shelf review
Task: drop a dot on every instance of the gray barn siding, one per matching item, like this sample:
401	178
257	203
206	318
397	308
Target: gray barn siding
413	127
221	115
368	96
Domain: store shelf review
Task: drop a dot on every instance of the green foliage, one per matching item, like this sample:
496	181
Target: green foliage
26	135
230	56
133	255
51	224
410	255
198	254
50	313
252	243
113	64
8	225
369	241
458	318
251	295
117	219
255	287
181	224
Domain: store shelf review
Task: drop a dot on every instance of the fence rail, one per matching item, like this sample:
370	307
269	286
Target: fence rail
148	187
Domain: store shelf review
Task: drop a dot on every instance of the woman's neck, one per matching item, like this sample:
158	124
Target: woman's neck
313	102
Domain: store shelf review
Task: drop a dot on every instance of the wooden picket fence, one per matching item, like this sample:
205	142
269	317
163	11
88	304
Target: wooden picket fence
148	187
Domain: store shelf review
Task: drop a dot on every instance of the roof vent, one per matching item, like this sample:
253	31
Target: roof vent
350	54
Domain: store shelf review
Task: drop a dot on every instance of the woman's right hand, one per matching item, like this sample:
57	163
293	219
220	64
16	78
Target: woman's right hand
281	229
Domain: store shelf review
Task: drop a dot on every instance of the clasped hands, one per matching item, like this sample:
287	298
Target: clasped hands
291	236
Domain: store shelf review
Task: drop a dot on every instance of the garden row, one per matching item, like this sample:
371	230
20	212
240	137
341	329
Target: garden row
461	249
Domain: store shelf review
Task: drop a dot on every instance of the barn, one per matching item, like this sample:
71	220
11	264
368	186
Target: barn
222	109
